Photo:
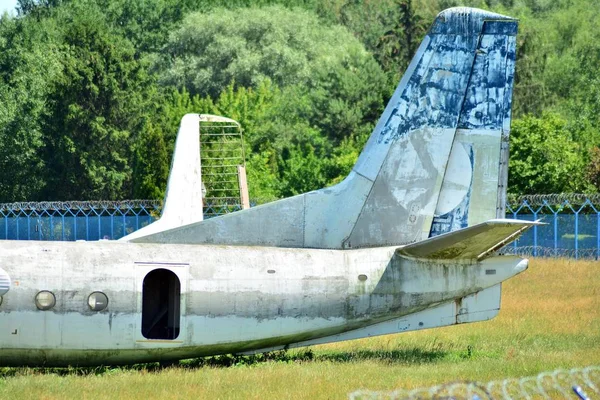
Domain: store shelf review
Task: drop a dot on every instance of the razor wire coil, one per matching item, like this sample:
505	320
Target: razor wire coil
567	384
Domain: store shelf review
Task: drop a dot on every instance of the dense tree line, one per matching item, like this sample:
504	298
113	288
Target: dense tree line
92	91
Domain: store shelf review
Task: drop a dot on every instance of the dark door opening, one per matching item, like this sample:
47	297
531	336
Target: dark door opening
160	305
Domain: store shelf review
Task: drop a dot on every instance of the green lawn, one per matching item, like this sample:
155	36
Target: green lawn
550	319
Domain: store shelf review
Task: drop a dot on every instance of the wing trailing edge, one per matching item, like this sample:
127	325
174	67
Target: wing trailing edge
473	243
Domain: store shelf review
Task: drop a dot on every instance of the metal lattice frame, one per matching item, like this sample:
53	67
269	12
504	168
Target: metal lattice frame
222	155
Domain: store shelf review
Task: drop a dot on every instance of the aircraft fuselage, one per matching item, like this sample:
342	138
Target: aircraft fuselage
220	299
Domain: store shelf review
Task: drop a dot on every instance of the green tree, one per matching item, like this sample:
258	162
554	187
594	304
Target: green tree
150	164
29	62
250	45
398	44
545	158
95	110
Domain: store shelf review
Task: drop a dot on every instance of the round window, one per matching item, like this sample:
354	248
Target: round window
97	301
45	300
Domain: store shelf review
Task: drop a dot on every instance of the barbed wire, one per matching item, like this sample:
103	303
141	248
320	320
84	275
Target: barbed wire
554	199
512	200
574	383
81	205
112	204
538	251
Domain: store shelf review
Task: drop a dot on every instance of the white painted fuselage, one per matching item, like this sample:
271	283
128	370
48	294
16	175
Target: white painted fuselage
232	299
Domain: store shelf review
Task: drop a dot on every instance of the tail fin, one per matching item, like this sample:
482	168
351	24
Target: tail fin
433	163
183	198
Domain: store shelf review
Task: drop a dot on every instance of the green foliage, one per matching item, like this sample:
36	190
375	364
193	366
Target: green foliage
250	45
94	109
28	63
545	157
82	114
150	164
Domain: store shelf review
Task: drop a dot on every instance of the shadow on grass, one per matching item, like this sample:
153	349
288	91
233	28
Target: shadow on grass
403	356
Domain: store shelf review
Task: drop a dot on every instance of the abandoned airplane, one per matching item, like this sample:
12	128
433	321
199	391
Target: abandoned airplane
407	241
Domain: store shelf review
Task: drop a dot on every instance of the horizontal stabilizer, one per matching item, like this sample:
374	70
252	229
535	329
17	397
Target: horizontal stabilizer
475	242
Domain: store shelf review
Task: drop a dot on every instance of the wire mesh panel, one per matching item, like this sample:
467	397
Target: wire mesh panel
222	155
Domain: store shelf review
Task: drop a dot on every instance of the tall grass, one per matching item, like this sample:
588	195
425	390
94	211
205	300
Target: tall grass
550	319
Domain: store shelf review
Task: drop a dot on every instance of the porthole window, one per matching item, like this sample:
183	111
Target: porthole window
97	301
45	300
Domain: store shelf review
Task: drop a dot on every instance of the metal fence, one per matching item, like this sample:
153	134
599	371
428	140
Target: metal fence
572	225
572	222
84	220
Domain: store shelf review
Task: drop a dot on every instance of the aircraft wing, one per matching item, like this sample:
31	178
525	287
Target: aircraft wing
473	243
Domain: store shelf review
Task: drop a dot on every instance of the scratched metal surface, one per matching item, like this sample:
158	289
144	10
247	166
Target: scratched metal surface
231	299
477	180
458	85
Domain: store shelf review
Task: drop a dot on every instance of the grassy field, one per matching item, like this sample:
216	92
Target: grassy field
550	319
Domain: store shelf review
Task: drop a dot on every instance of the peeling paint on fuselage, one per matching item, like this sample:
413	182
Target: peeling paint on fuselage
229	300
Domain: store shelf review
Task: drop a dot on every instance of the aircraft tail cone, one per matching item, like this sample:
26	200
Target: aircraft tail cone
521	266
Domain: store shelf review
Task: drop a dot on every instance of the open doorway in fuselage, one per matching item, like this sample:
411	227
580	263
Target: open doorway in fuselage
161	295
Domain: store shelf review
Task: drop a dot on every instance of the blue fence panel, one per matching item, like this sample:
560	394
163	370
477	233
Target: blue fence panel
69	221
572	222
572	230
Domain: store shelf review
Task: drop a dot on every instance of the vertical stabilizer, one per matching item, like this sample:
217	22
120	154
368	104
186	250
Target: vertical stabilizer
432	164
474	187
183	198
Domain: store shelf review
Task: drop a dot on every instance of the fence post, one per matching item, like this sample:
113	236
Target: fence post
597	235
555	233
535	241
515	241
576	234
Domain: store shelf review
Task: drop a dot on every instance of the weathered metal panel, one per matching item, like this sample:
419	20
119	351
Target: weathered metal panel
280	224
331	213
401	203
503	167
467	243
481	306
475	179
376	149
